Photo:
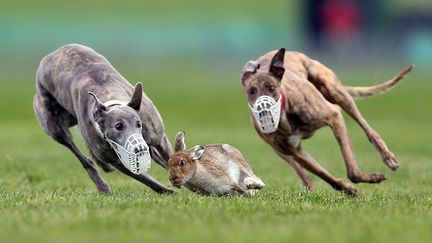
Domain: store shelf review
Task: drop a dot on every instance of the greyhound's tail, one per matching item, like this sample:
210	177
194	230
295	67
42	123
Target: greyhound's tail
363	92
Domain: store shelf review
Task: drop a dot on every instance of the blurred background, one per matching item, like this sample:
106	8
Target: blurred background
222	32
206	43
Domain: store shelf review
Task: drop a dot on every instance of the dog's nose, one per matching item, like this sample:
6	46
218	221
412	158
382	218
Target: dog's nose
139	149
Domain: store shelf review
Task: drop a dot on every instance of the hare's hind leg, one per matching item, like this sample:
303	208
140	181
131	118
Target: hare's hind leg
237	188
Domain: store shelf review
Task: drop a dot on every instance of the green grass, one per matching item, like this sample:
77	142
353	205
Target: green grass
45	195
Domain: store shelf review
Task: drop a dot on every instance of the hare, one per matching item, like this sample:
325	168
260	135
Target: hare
214	169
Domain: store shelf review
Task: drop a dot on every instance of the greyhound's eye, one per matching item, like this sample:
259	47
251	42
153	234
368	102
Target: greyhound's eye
118	126
138	124
270	88
252	91
182	162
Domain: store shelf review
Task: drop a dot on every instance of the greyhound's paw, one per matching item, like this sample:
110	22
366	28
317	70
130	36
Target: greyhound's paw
345	187
350	190
377	177
392	163
105	189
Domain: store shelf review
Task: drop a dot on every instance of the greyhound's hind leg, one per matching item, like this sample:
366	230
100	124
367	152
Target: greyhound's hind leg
337	124
307	162
55	121
306	180
332	89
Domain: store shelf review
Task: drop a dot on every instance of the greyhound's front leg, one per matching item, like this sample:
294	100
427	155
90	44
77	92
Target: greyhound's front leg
307	162
89	166
146	180
306	180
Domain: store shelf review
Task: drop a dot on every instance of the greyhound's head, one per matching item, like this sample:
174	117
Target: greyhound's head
263	91
120	125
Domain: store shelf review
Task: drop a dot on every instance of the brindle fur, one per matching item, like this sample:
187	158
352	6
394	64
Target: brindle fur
63	82
314	97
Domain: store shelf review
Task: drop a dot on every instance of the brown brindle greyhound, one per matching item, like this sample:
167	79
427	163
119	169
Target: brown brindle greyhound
309	96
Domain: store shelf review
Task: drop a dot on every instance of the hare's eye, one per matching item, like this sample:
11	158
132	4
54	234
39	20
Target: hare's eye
138	124
182	162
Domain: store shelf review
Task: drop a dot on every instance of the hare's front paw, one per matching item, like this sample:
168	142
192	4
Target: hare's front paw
253	183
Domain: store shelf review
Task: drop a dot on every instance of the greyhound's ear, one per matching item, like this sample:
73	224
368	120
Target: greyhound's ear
277	63
135	102
179	142
99	104
249	68
198	152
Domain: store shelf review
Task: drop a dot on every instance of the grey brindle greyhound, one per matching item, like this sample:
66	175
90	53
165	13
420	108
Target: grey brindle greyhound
71	84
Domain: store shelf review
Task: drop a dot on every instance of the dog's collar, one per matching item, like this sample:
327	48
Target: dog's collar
111	103
282	101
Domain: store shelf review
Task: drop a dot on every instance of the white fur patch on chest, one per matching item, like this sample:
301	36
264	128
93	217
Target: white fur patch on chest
294	140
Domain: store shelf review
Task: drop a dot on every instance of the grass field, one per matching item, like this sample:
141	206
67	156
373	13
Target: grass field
45	195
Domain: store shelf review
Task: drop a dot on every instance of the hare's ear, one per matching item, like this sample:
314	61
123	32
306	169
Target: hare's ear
179	142
198	152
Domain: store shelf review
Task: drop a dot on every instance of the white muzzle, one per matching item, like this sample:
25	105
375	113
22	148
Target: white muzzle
266	112
134	155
